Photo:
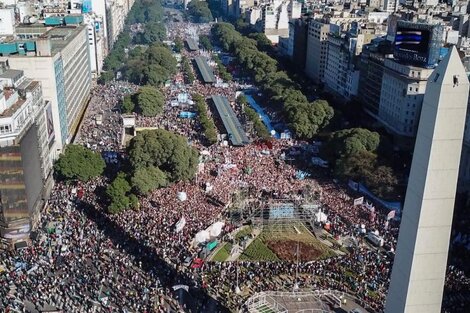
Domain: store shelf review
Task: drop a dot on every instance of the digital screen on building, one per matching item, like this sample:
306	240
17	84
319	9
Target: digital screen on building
417	43
412	40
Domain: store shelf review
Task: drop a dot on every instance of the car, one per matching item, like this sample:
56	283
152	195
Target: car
197	263
187	261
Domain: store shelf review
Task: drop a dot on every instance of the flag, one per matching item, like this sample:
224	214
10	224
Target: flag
359	201
391	215
370	206
180	224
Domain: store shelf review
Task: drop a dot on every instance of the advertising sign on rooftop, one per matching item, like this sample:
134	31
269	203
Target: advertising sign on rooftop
417	43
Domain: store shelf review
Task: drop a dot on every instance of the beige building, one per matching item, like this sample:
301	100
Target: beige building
60	61
317	49
401	97
26	135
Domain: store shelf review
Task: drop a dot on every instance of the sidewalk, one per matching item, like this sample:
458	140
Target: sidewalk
236	255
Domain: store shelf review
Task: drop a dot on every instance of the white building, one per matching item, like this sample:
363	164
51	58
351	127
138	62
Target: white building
97	41
273	18
401	97
7	22
317	49
25	162
60	61
390	5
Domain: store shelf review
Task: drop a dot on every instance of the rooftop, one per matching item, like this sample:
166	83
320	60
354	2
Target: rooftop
61	36
11	110
11	74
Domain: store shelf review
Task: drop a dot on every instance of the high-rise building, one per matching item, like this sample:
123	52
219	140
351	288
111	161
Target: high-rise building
26	135
402	92
419	269
317	49
390	5
60	60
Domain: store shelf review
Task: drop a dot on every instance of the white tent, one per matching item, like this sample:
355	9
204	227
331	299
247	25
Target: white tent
182	196
321	217
202	236
216	228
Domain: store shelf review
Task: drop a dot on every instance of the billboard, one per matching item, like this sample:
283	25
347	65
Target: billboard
50	125
417	44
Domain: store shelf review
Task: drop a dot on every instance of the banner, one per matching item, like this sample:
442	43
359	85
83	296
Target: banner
389	205
353	185
180	224
370	206
359	201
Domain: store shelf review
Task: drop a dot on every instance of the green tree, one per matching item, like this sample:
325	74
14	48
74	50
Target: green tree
128	104
356	166
146	179
179	45
346	142
150	101
105	77
262	42
382	181
199	11
118	194
161	55
165	150
155	75
78	162
205	42
154	32
134	202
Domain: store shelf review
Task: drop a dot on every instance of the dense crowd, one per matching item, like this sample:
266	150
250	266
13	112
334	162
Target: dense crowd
82	259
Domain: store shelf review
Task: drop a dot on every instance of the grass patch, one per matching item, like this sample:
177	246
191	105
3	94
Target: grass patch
258	251
243	232
223	253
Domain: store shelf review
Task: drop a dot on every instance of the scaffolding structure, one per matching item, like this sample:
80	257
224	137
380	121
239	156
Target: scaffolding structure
277	215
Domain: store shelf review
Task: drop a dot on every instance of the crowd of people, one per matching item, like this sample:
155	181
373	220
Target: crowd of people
81	259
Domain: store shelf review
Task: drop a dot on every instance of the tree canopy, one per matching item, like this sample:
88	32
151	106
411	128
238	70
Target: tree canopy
199	11
146	179
128	104
118	193
137	64
179	45
166	151
153	32
346	142
207	123
150	101
305	119
78	162
205	42
353	153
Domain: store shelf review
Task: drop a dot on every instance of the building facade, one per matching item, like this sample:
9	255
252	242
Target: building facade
401	97
26	136
59	59
317	50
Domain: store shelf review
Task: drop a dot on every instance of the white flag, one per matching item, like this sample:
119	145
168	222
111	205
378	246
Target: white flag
359	201
180	224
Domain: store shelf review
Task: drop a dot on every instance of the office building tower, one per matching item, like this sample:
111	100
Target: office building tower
317	49
60	60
